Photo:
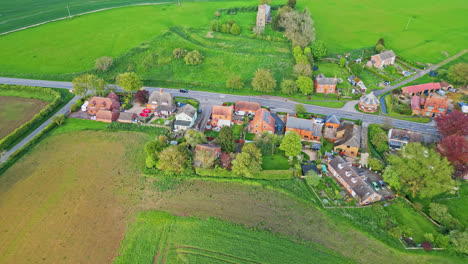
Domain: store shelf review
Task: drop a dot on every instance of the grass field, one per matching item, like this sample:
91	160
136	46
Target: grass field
14	111
156	237
458	207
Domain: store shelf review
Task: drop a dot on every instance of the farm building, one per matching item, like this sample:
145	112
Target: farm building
263	121
369	103
325	85
420	89
383	59
162	103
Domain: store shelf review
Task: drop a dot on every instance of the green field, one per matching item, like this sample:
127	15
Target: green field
156	237
458	207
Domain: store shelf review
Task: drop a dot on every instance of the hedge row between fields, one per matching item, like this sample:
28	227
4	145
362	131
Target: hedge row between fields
263	175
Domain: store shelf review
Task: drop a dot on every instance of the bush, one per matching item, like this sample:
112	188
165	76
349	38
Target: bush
235	82
193	58
179	53
235	29
379	48
103	63
76	106
288	87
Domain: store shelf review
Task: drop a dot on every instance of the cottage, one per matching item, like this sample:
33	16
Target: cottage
383	59
420	89
162	103
127	117
307	129
349	139
222	116
369	103
214	150
355	184
185	117
107	116
247	107
325	85
263	15
263	121
432	106
398	138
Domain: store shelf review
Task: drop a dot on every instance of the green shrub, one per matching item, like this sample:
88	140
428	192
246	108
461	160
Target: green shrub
193	58
76	106
115	126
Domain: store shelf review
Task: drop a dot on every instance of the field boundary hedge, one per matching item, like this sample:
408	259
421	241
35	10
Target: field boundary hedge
7	142
263	175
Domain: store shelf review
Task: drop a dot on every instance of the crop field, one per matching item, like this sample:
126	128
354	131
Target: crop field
14	111
76	192
156	237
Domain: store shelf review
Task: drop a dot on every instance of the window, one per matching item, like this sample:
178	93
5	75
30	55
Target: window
264	126
256	125
347	146
320	89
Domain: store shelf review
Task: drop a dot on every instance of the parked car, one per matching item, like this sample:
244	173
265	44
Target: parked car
382	184
386	83
183	90
376	186
452	90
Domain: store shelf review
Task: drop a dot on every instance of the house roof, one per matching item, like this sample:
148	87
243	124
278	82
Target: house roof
351	137
444	84
317	130
386	55
127	116
266	116
188	110
420	87
182	123
162	98
222	110
370	99
298	123
321	79
333	119
108	103
436	101
247	106
416	102
107	114
208	147
113	96
349	174
404	135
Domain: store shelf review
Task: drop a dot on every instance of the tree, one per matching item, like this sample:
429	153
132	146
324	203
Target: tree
175	159
226	139
455	148
179	53
439	212
419	171
194	137
235	29
298	26
205	158
288	87
103	63
342	62
129	81
308	54
453	123
375	164
59	119
292	3
381	41
234	82
297	51
142	96
319	49
263	81
153	149
356	68
267	142
313	178
380	141
265	2
303	69
277	20
300	109
248	162
291	144
193	58
305	85
87	83
460	241
379	48
429	237
458	73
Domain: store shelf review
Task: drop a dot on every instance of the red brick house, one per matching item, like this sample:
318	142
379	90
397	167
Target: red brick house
325	85
369	103
106	109
420	89
383	59
305	128
432	106
222	116
263	121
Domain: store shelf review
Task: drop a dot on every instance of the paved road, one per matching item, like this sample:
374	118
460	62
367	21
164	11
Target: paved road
276	104
419	74
63	110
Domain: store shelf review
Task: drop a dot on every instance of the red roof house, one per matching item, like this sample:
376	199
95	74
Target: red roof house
421	88
248	107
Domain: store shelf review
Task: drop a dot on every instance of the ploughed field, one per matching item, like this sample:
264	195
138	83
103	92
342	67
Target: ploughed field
15	111
72	197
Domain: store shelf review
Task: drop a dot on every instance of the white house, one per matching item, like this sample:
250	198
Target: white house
185	117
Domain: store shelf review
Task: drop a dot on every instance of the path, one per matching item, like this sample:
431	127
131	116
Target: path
276	104
22	143
364	130
419	74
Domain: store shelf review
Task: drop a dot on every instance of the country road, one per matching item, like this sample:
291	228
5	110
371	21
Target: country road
276	104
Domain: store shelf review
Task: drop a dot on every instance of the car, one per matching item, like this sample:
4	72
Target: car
382	184
183	90
452	90
376	186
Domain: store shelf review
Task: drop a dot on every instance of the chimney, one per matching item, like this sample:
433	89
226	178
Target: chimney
160	90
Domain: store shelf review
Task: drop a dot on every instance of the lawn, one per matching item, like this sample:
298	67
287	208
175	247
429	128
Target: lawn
156	237
361	23
76	191
237	130
15	111
458	207
275	162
